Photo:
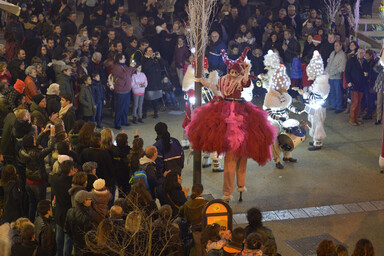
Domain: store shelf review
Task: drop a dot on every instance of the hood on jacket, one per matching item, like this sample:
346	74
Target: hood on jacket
146	160
19	86
75	188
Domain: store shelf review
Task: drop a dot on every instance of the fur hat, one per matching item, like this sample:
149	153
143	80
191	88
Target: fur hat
82	195
99	184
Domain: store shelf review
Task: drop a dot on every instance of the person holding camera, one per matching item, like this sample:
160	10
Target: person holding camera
122	89
153	65
344	22
33	156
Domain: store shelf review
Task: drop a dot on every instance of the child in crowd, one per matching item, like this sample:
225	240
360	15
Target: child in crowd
169	92
98	97
268	31
90	169
308	30
211	240
100	199
234	52
257	63
87	104
139	83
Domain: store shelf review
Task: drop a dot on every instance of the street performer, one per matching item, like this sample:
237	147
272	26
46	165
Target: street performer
230	125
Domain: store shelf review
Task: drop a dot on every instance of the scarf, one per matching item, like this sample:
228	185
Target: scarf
64	110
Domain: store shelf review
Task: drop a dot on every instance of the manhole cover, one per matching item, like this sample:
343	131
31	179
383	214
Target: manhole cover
307	246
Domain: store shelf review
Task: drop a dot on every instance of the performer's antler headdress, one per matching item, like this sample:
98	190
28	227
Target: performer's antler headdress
235	64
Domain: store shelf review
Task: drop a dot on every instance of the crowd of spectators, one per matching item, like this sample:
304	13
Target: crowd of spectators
57	75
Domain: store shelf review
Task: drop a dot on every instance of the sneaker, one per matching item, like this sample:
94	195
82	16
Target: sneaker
353	123
279	166
359	122
140	120
378	122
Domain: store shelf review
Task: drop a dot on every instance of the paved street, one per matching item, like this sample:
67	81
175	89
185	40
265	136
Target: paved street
336	191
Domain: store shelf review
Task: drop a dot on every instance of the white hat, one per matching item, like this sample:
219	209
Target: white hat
99	184
52	88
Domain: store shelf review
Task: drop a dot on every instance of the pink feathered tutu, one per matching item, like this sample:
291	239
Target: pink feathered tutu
232	126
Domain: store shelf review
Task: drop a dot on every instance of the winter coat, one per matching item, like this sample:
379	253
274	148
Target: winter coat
257	64
122	75
45	229
326	49
180	55
292	51
354	73
336	65
53	104
153	177
60	185
372	74
21	128
192	210
34	160
213	54
27	248
12	201
7	146
152	68
30	88
3	110
68	28
87	104
77	223
296	72
175	198
40	114
73	191
265	232
172	160
340	21
65	84
98	92
379	83
104	162
121	162
69	119
137	80
100	200
11	98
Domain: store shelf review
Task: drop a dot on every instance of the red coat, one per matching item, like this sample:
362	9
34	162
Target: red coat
30	88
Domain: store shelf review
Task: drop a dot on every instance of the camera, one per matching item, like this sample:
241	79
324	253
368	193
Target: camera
50	126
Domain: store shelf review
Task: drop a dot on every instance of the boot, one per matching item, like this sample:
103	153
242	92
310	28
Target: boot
185	145
140	120
134	120
216	166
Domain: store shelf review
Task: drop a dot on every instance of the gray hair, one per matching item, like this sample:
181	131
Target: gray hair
30	69
96	55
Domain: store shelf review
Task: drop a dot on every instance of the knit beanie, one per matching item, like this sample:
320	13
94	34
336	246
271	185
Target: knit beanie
99	184
19	86
82	195
38	98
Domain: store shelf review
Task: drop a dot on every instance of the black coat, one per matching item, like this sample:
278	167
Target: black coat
53	104
7	146
27	248
152	68
45	229
354	73
104	162
293	50
68	28
175	198
77	223
60	185
69	119
12	201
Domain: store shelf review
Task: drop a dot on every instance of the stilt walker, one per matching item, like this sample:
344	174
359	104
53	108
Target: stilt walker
229	125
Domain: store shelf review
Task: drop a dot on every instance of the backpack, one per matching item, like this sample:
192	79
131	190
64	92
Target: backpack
139	177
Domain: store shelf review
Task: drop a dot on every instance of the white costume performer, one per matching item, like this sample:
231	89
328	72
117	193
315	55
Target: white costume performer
278	104
316	97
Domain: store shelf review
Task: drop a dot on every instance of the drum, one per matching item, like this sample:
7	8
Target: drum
293	135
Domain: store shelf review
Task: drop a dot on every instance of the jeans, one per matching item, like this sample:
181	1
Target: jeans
138	105
171	98
336	93
63	242
122	101
288	67
36	193
98	115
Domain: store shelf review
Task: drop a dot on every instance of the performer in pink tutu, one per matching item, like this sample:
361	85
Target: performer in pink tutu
230	125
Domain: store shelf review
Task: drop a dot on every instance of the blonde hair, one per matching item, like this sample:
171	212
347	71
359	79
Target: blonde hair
20	223
106	139
133	222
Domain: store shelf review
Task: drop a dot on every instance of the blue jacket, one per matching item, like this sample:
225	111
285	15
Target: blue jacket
215	59
296	72
172	160
98	92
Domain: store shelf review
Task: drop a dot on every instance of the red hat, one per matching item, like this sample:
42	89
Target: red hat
236	66
19	86
316	39
230	63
